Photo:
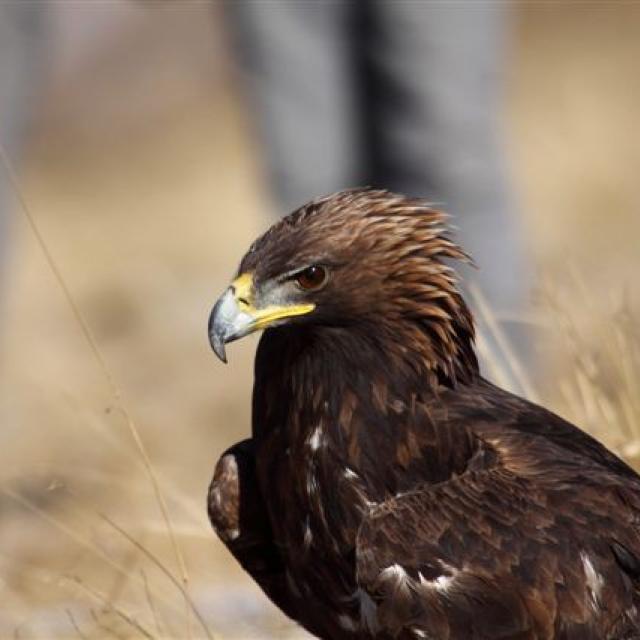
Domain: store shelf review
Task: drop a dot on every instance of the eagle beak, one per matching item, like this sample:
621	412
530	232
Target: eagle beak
234	315
226	322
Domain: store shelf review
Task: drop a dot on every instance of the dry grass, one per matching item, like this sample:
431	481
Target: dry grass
105	531
601	386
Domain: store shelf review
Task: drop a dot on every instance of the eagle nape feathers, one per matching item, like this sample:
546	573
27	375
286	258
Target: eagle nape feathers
387	490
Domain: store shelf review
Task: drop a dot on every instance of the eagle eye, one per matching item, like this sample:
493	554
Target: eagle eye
312	278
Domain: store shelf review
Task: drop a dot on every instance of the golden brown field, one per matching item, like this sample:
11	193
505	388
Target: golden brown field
142	179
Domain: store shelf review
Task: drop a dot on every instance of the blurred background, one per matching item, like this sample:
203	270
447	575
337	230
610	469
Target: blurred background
150	144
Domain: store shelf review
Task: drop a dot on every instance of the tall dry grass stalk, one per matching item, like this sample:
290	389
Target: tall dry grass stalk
182	582
600	348
597	354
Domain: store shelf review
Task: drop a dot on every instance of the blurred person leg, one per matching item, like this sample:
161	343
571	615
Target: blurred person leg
401	95
298	58
438	71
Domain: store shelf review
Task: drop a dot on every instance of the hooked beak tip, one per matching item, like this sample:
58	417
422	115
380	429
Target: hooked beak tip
217	344
218	331
226	323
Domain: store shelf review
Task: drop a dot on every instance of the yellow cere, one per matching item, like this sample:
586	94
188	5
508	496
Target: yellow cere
243	290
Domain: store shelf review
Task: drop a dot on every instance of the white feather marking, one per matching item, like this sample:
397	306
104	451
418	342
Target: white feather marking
233	534
393	571
594	580
216	497
315	439
308	536
312	482
418	633
351	475
230	464
397	578
443	582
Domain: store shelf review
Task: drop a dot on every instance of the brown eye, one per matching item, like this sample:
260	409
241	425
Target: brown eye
312	278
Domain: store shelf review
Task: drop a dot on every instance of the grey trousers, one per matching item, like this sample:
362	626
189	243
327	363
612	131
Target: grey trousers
405	95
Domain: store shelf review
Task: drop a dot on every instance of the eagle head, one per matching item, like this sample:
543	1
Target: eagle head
363	261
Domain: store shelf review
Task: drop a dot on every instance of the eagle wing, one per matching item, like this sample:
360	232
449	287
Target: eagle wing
239	516
523	554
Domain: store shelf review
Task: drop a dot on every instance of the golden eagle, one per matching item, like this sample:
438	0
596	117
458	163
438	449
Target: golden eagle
388	490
